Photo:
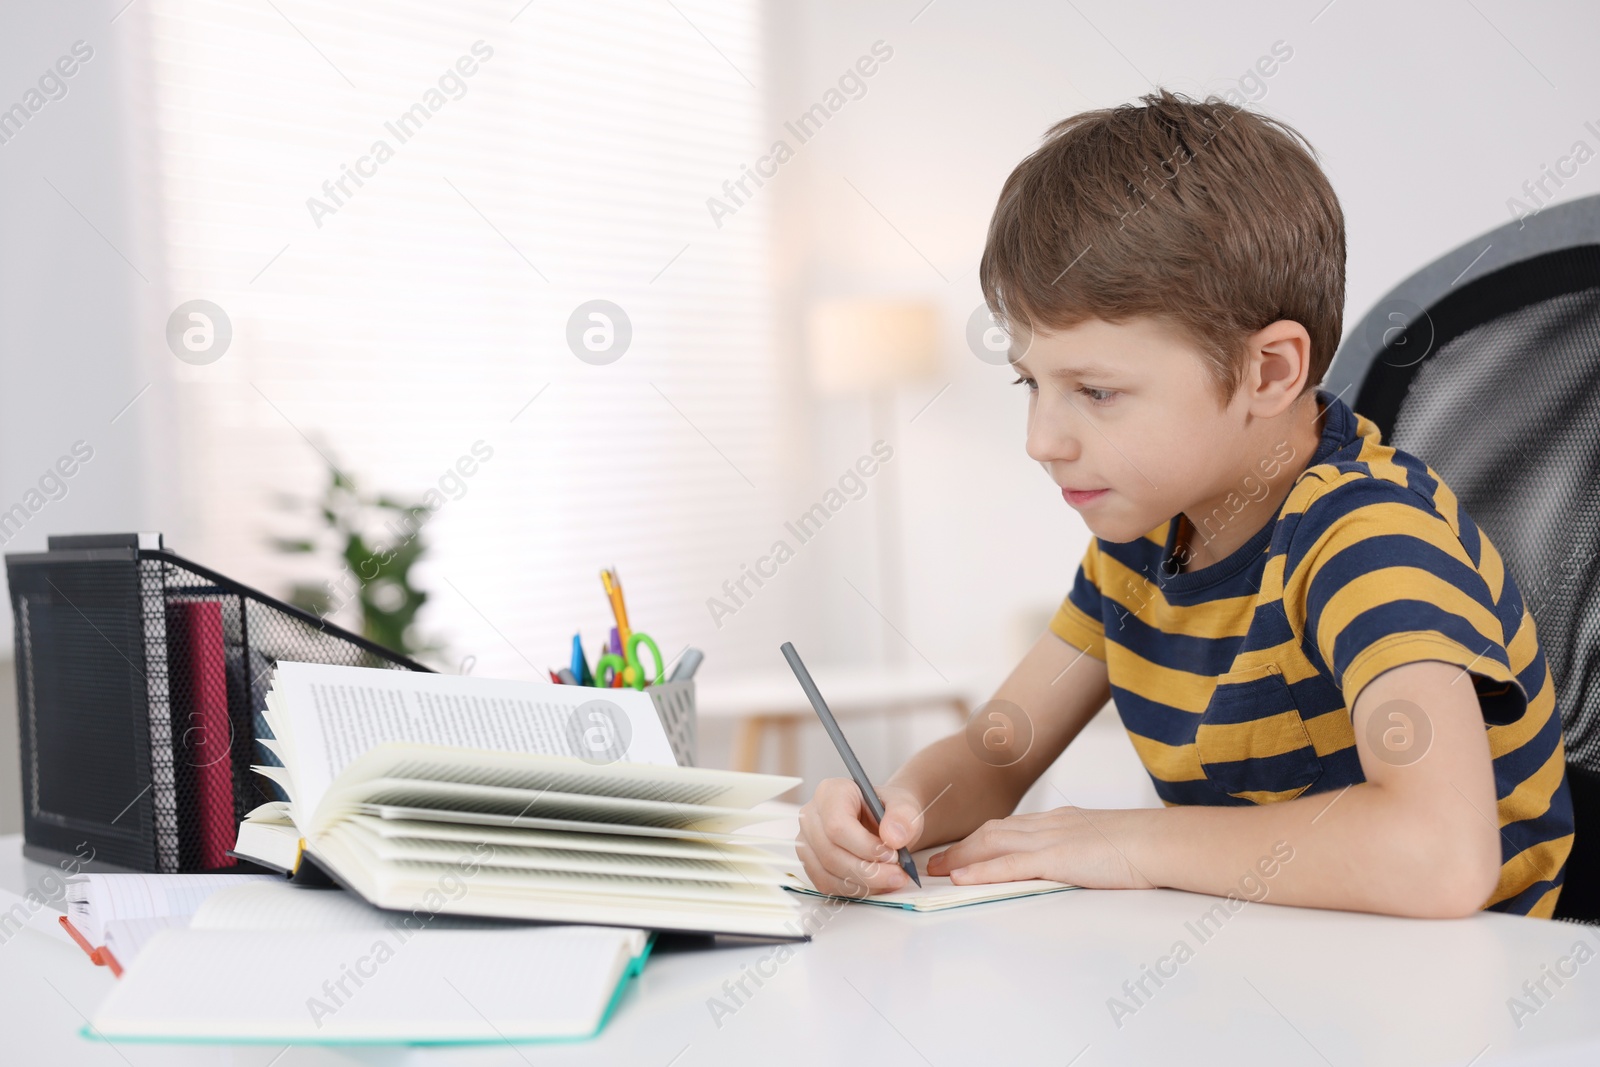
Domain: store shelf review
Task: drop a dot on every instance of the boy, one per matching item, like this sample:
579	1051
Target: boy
1320	659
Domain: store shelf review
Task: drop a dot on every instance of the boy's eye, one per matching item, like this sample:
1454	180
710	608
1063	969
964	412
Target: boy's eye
1097	396
1029	382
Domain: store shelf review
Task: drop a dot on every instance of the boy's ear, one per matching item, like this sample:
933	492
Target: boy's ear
1279	362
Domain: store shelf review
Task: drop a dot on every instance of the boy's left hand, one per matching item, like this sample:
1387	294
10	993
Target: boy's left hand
1077	846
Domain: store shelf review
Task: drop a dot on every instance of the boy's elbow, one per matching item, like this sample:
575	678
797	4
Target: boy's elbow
1463	897
1457	876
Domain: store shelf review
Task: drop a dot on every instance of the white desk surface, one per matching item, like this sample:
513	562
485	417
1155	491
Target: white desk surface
1015	982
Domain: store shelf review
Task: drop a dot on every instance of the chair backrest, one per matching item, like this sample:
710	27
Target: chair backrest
1486	365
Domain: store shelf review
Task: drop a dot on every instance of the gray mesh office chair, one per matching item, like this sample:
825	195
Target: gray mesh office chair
1486	365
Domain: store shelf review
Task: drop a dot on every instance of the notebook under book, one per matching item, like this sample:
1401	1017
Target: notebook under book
540	801
937	892
274	962
111	916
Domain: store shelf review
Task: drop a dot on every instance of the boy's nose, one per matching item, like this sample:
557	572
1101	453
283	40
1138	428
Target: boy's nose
1049	440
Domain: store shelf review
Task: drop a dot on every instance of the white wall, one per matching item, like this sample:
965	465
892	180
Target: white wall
1427	119
77	273
1428	116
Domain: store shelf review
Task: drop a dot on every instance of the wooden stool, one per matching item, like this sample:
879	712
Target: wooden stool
772	703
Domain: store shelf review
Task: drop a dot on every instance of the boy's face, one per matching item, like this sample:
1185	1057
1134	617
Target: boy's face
1131	411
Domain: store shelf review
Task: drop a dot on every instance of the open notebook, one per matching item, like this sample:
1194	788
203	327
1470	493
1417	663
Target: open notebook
937	892
550	802
111	916
274	962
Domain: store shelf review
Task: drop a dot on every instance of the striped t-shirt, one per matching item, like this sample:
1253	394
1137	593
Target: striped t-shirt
1231	679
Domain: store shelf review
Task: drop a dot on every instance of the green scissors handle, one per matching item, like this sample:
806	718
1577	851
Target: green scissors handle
635	664
609	662
631	668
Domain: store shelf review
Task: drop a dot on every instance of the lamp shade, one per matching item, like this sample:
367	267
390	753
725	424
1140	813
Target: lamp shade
861	345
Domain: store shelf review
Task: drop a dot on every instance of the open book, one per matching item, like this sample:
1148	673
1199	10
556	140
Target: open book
282	963
937	892
516	800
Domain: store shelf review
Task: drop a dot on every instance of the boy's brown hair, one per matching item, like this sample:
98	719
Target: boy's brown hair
1210	217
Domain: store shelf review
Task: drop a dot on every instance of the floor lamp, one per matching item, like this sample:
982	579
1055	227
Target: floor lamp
870	347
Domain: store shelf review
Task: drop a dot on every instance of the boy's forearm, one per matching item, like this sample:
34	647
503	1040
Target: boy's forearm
1354	850
1419	838
957	792
1035	713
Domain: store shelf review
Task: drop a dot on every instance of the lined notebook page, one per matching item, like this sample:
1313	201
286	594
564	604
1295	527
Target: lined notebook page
437	985
938	892
126	938
95	899
280	905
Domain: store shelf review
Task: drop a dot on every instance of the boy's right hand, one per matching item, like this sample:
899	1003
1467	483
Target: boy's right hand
843	849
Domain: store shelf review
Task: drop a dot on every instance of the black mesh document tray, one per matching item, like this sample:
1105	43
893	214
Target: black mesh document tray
109	758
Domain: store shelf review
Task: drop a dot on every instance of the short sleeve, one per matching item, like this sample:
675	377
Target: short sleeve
1375	578
1078	621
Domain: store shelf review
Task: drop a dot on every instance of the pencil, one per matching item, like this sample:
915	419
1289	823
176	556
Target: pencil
874	804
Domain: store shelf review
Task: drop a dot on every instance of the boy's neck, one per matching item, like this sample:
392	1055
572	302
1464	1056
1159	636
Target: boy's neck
1212	543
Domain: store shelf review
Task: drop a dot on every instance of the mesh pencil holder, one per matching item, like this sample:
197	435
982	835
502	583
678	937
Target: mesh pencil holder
674	703
141	681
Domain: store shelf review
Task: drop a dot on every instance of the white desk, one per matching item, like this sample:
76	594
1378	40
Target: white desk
1021	982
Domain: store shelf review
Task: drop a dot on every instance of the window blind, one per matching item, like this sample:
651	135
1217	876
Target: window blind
388	326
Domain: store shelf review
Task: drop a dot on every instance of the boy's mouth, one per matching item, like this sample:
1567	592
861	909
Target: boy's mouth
1081	497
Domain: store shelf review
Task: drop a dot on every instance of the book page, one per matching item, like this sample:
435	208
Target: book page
273	845
675	788
520	837
567	774
333	714
407	882
273	811
545	804
638	864
477	819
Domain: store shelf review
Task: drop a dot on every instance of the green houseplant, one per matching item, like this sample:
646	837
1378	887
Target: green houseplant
378	541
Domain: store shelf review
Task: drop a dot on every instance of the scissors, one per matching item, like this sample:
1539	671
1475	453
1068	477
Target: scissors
630	668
